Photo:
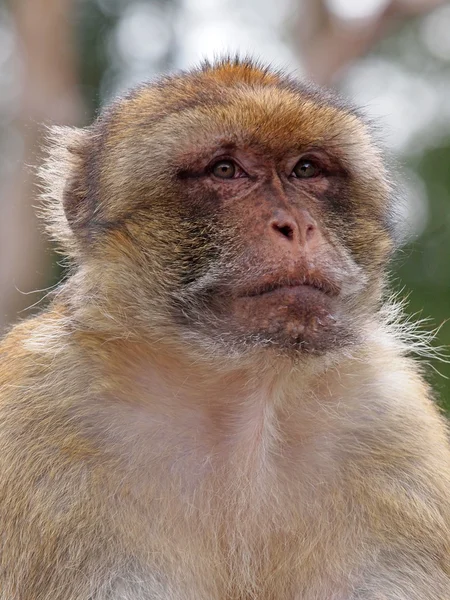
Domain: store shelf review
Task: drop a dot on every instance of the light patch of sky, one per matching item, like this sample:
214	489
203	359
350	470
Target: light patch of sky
435	32
136	46
142	36
206	29
202	29
357	9
405	103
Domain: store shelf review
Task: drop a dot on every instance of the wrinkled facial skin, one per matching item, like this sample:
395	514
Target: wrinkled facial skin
258	208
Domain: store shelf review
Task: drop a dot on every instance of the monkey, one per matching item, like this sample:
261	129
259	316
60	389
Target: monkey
220	401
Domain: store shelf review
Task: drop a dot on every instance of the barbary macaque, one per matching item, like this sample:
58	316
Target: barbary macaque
219	402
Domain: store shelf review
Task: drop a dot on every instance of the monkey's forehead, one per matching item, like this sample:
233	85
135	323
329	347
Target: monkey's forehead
161	121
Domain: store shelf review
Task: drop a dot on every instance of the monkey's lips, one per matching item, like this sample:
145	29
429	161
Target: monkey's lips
301	286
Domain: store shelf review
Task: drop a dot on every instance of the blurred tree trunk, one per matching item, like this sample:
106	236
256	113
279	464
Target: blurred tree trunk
49	94
328	45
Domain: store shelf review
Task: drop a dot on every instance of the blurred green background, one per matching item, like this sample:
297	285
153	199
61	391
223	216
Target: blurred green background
61	60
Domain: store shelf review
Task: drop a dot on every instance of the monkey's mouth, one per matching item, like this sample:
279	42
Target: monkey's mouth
300	285
300	314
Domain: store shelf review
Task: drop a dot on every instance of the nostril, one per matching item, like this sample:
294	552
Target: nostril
285	230
310	231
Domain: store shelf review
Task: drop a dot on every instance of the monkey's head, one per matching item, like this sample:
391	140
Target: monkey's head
229	206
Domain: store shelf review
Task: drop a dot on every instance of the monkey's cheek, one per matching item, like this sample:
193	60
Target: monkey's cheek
301	316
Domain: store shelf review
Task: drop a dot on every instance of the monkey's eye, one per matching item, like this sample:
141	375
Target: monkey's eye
305	169
224	169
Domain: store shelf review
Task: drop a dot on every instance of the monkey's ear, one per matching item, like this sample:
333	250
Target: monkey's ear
68	201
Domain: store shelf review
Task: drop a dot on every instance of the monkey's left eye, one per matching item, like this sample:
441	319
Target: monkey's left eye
224	169
305	169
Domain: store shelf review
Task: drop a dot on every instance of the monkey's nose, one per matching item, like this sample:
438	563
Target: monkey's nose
302	229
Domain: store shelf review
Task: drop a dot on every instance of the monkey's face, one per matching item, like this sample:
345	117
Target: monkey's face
270	268
256	211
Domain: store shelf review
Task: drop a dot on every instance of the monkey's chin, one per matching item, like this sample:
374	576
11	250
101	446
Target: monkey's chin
302	318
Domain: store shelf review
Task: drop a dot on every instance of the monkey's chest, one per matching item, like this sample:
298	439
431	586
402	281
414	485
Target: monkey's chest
244	542
244	524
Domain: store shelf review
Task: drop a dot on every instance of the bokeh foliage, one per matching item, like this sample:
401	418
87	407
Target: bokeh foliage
423	266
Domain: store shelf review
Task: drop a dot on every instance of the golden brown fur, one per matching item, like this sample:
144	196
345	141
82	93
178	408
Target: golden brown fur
150	452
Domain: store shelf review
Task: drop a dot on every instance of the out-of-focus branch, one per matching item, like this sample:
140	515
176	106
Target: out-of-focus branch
328	44
49	94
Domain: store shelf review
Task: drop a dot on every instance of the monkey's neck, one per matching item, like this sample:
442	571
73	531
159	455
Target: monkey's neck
161	407
217	406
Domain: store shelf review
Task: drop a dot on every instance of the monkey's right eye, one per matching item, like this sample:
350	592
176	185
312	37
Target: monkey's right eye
224	169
